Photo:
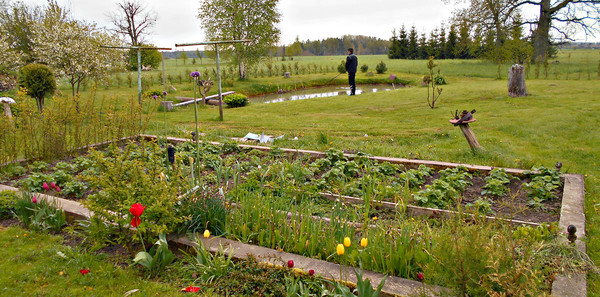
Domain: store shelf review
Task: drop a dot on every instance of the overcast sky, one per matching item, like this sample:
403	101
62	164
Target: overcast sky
307	19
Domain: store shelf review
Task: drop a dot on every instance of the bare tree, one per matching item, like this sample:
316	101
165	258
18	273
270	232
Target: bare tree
133	20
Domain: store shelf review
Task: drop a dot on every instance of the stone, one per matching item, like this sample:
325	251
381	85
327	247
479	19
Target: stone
167	105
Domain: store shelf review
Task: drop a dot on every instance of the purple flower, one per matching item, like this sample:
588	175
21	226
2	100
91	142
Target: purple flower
154	97
195	74
392	77
164	93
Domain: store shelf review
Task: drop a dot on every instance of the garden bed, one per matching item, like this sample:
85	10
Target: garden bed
278	195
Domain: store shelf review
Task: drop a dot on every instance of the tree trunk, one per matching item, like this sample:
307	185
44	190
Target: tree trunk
516	81
242	70
542	36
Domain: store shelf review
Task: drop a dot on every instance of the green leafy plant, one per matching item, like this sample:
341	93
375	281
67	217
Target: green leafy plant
495	183
7	203
236	100
440	79
211	267
543	184
158	258
205	210
134	174
381	68
39	214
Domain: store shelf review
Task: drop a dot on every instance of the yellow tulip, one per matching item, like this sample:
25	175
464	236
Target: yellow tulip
374	218
206	233
364	242
340	249
347	241
191	161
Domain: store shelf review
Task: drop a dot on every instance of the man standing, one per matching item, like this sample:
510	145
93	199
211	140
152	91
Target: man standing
351	66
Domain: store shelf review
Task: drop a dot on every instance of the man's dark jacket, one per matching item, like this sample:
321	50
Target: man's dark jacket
351	63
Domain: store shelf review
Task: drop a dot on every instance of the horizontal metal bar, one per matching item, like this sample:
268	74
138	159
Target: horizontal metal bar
213	42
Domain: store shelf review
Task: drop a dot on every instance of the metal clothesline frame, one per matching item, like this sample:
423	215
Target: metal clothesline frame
139	62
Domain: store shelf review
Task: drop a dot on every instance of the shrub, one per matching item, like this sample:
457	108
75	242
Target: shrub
364	68
236	100
341	68
39	81
381	68
135	174
440	79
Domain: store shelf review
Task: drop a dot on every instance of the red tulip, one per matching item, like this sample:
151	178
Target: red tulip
57	188
34	200
191	289
290	263
53	185
45	186
311	272
420	276
137	209
135	221
84	271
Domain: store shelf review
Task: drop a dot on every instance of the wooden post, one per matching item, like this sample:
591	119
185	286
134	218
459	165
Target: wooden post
470	136
468	133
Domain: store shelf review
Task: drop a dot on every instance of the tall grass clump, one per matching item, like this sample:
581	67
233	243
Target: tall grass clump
65	125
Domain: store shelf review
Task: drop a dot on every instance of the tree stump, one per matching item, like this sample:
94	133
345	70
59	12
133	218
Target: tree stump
516	81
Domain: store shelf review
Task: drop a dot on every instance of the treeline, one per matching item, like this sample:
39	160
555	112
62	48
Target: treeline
363	45
457	42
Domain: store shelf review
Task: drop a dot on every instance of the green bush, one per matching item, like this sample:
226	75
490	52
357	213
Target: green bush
381	68
236	100
440	80
364	68
39	81
341	68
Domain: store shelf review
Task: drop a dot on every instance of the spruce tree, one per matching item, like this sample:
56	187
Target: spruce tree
403	43
413	44
442	43
450	48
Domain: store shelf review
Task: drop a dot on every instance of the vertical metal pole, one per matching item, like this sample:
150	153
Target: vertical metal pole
219	79
163	71
139	60
197	161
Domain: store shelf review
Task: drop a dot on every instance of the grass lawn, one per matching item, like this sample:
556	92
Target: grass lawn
38	264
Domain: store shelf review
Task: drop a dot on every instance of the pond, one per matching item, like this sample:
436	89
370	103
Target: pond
321	92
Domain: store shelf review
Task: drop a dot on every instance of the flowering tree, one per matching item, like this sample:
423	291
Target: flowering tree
11	60
73	49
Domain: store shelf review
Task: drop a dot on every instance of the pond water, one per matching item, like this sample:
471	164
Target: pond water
321	92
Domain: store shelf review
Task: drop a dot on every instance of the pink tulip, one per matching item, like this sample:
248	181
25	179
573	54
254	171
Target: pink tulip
53	185
45	186
34	200
57	188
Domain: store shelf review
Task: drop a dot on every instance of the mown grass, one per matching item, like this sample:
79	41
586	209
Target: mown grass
37	264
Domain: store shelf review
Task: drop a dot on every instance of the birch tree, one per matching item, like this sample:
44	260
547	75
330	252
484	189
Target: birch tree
242	19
